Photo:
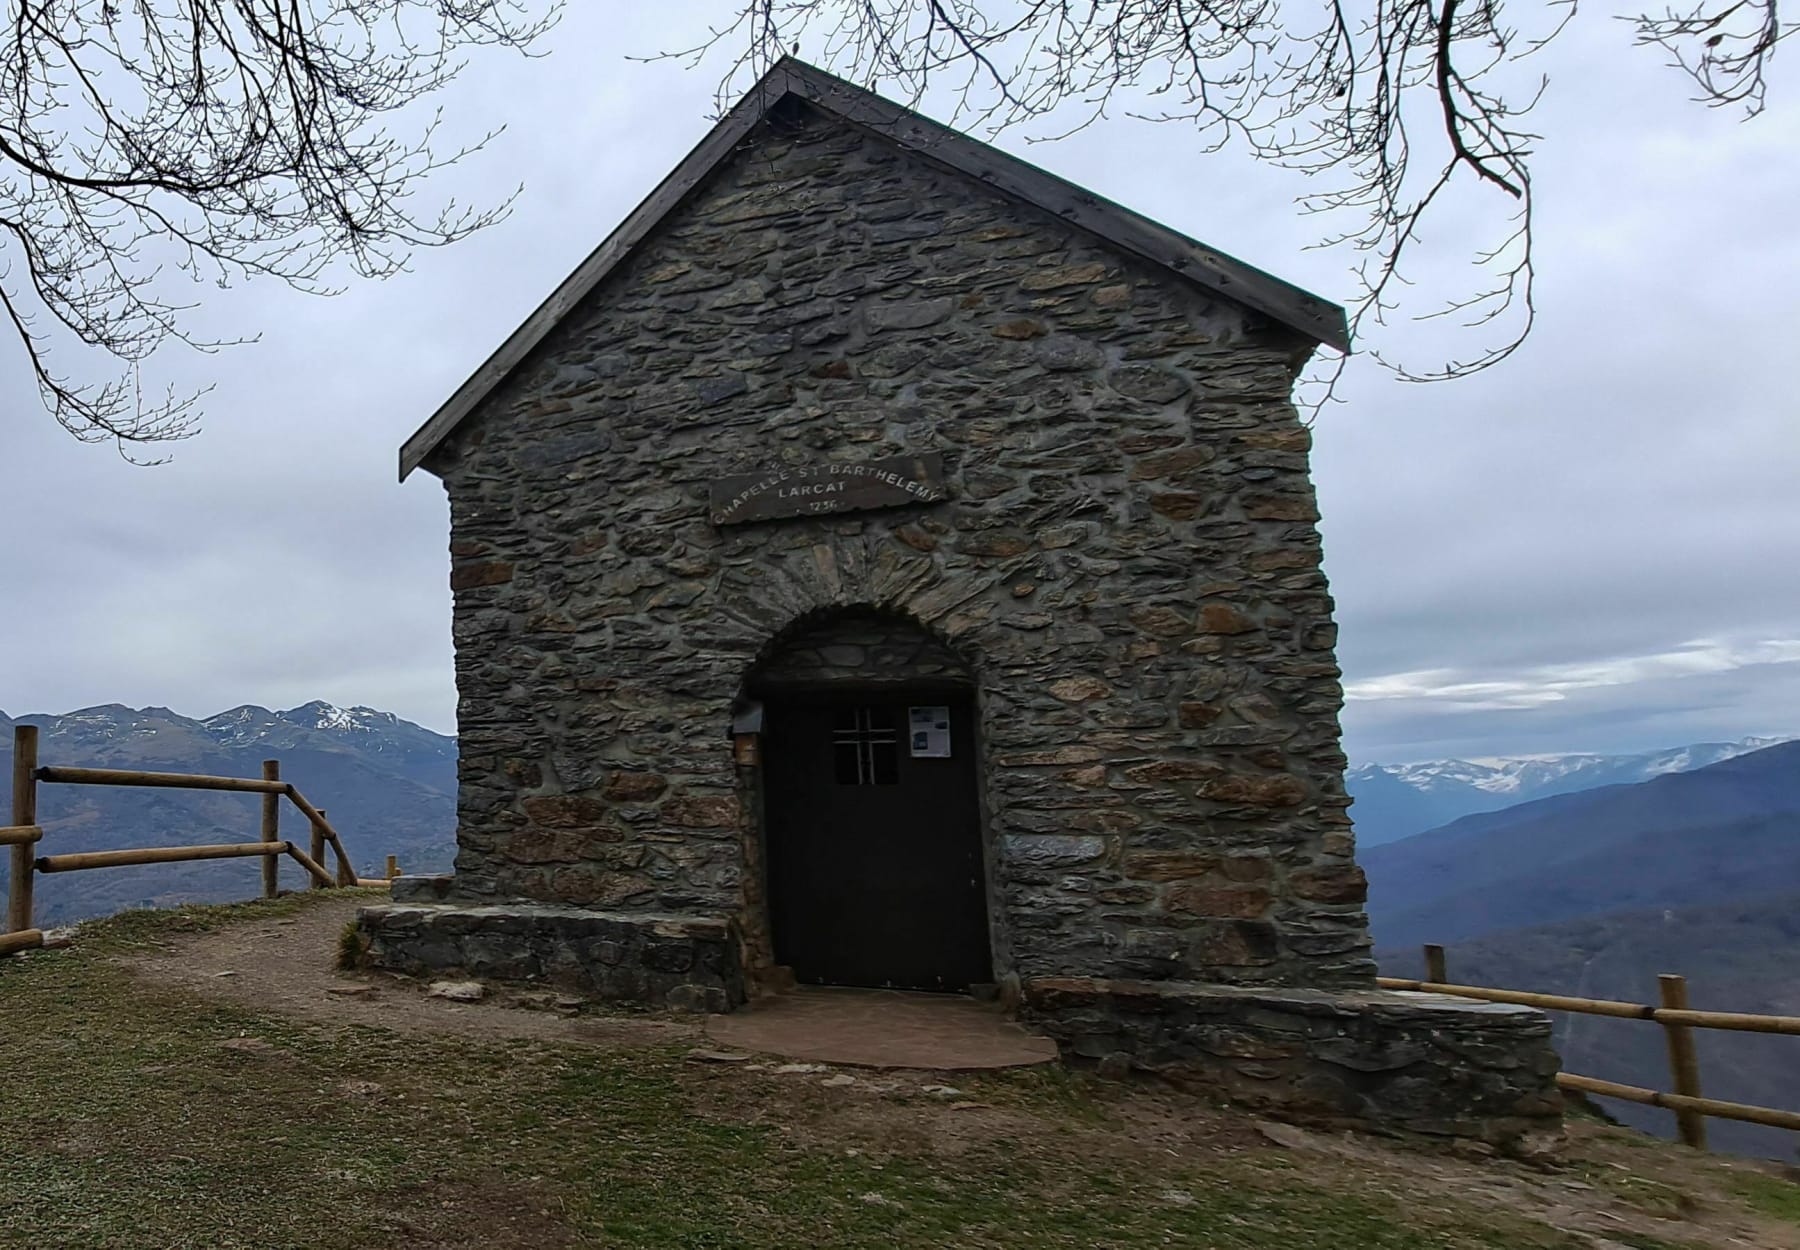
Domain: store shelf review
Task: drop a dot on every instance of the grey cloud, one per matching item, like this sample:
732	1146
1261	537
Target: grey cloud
1622	487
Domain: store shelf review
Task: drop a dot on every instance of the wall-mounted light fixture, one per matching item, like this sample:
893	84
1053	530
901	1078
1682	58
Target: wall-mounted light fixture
746	733
746	750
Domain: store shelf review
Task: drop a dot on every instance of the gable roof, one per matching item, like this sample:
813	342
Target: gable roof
1316	318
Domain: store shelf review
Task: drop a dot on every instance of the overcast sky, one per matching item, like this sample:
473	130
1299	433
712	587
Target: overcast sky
1591	548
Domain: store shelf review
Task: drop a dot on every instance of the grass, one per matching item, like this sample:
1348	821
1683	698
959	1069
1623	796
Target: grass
352	947
1776	1198
141	1117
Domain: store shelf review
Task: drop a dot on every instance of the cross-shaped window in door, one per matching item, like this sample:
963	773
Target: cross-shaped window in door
866	747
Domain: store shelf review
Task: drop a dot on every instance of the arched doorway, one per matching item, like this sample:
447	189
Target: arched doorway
871	807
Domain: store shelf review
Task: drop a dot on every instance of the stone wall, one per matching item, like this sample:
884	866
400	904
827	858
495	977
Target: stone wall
682	963
856	646
1424	1064
1127	563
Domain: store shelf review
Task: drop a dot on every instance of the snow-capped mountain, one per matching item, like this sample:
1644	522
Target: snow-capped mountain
1395	801
366	730
250	719
315	715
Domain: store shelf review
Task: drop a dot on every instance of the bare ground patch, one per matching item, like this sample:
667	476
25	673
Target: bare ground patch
286	965
1059	1133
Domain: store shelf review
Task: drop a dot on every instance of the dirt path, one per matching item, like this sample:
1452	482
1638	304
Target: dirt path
1610	1189
285	966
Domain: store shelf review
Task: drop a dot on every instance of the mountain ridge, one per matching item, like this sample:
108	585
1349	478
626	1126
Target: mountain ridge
389	785
1395	801
1681	838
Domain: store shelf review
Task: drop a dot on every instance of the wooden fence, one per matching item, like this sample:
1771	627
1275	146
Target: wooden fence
24	833
1678	1022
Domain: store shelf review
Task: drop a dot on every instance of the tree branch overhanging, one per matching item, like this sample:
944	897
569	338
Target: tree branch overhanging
1342	95
217	139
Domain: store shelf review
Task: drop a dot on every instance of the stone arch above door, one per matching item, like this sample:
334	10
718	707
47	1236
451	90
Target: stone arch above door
856	645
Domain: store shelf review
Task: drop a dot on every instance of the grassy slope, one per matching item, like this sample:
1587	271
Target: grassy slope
128	1123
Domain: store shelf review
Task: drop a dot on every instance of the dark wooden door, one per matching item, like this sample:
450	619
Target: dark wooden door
874	852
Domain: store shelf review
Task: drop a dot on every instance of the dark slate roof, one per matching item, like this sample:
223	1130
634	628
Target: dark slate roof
1313	317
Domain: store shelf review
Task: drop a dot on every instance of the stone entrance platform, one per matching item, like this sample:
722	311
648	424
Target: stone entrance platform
1419	1064
685	963
881	1029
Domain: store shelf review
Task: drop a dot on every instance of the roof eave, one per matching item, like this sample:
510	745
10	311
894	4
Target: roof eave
694	167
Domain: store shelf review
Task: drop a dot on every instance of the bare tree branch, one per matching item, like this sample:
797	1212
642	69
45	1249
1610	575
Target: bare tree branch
217	139
1340	93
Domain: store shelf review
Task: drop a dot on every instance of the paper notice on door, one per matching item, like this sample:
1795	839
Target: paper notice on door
929	728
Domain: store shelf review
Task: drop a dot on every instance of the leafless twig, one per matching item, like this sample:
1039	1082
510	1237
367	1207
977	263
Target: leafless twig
1393	105
219	139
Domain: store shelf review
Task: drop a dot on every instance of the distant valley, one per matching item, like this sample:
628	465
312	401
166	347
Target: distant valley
1738	956
388	785
1595	893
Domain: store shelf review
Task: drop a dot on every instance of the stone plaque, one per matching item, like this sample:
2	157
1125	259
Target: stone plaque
821	488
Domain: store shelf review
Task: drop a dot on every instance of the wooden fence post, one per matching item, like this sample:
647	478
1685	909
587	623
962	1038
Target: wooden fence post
271	828
393	867
1684	1061
24	812
318	850
1434	965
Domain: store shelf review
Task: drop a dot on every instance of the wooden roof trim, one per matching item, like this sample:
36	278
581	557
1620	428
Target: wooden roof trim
1312	316
708	153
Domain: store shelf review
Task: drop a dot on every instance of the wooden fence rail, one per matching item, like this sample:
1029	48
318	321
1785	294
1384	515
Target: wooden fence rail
1682	1104
154	855
23	940
171	781
24	833
1741	1021
1678	1021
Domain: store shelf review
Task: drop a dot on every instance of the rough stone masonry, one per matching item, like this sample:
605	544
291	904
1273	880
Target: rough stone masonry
1124	569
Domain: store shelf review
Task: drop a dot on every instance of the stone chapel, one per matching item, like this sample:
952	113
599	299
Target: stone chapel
883	563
